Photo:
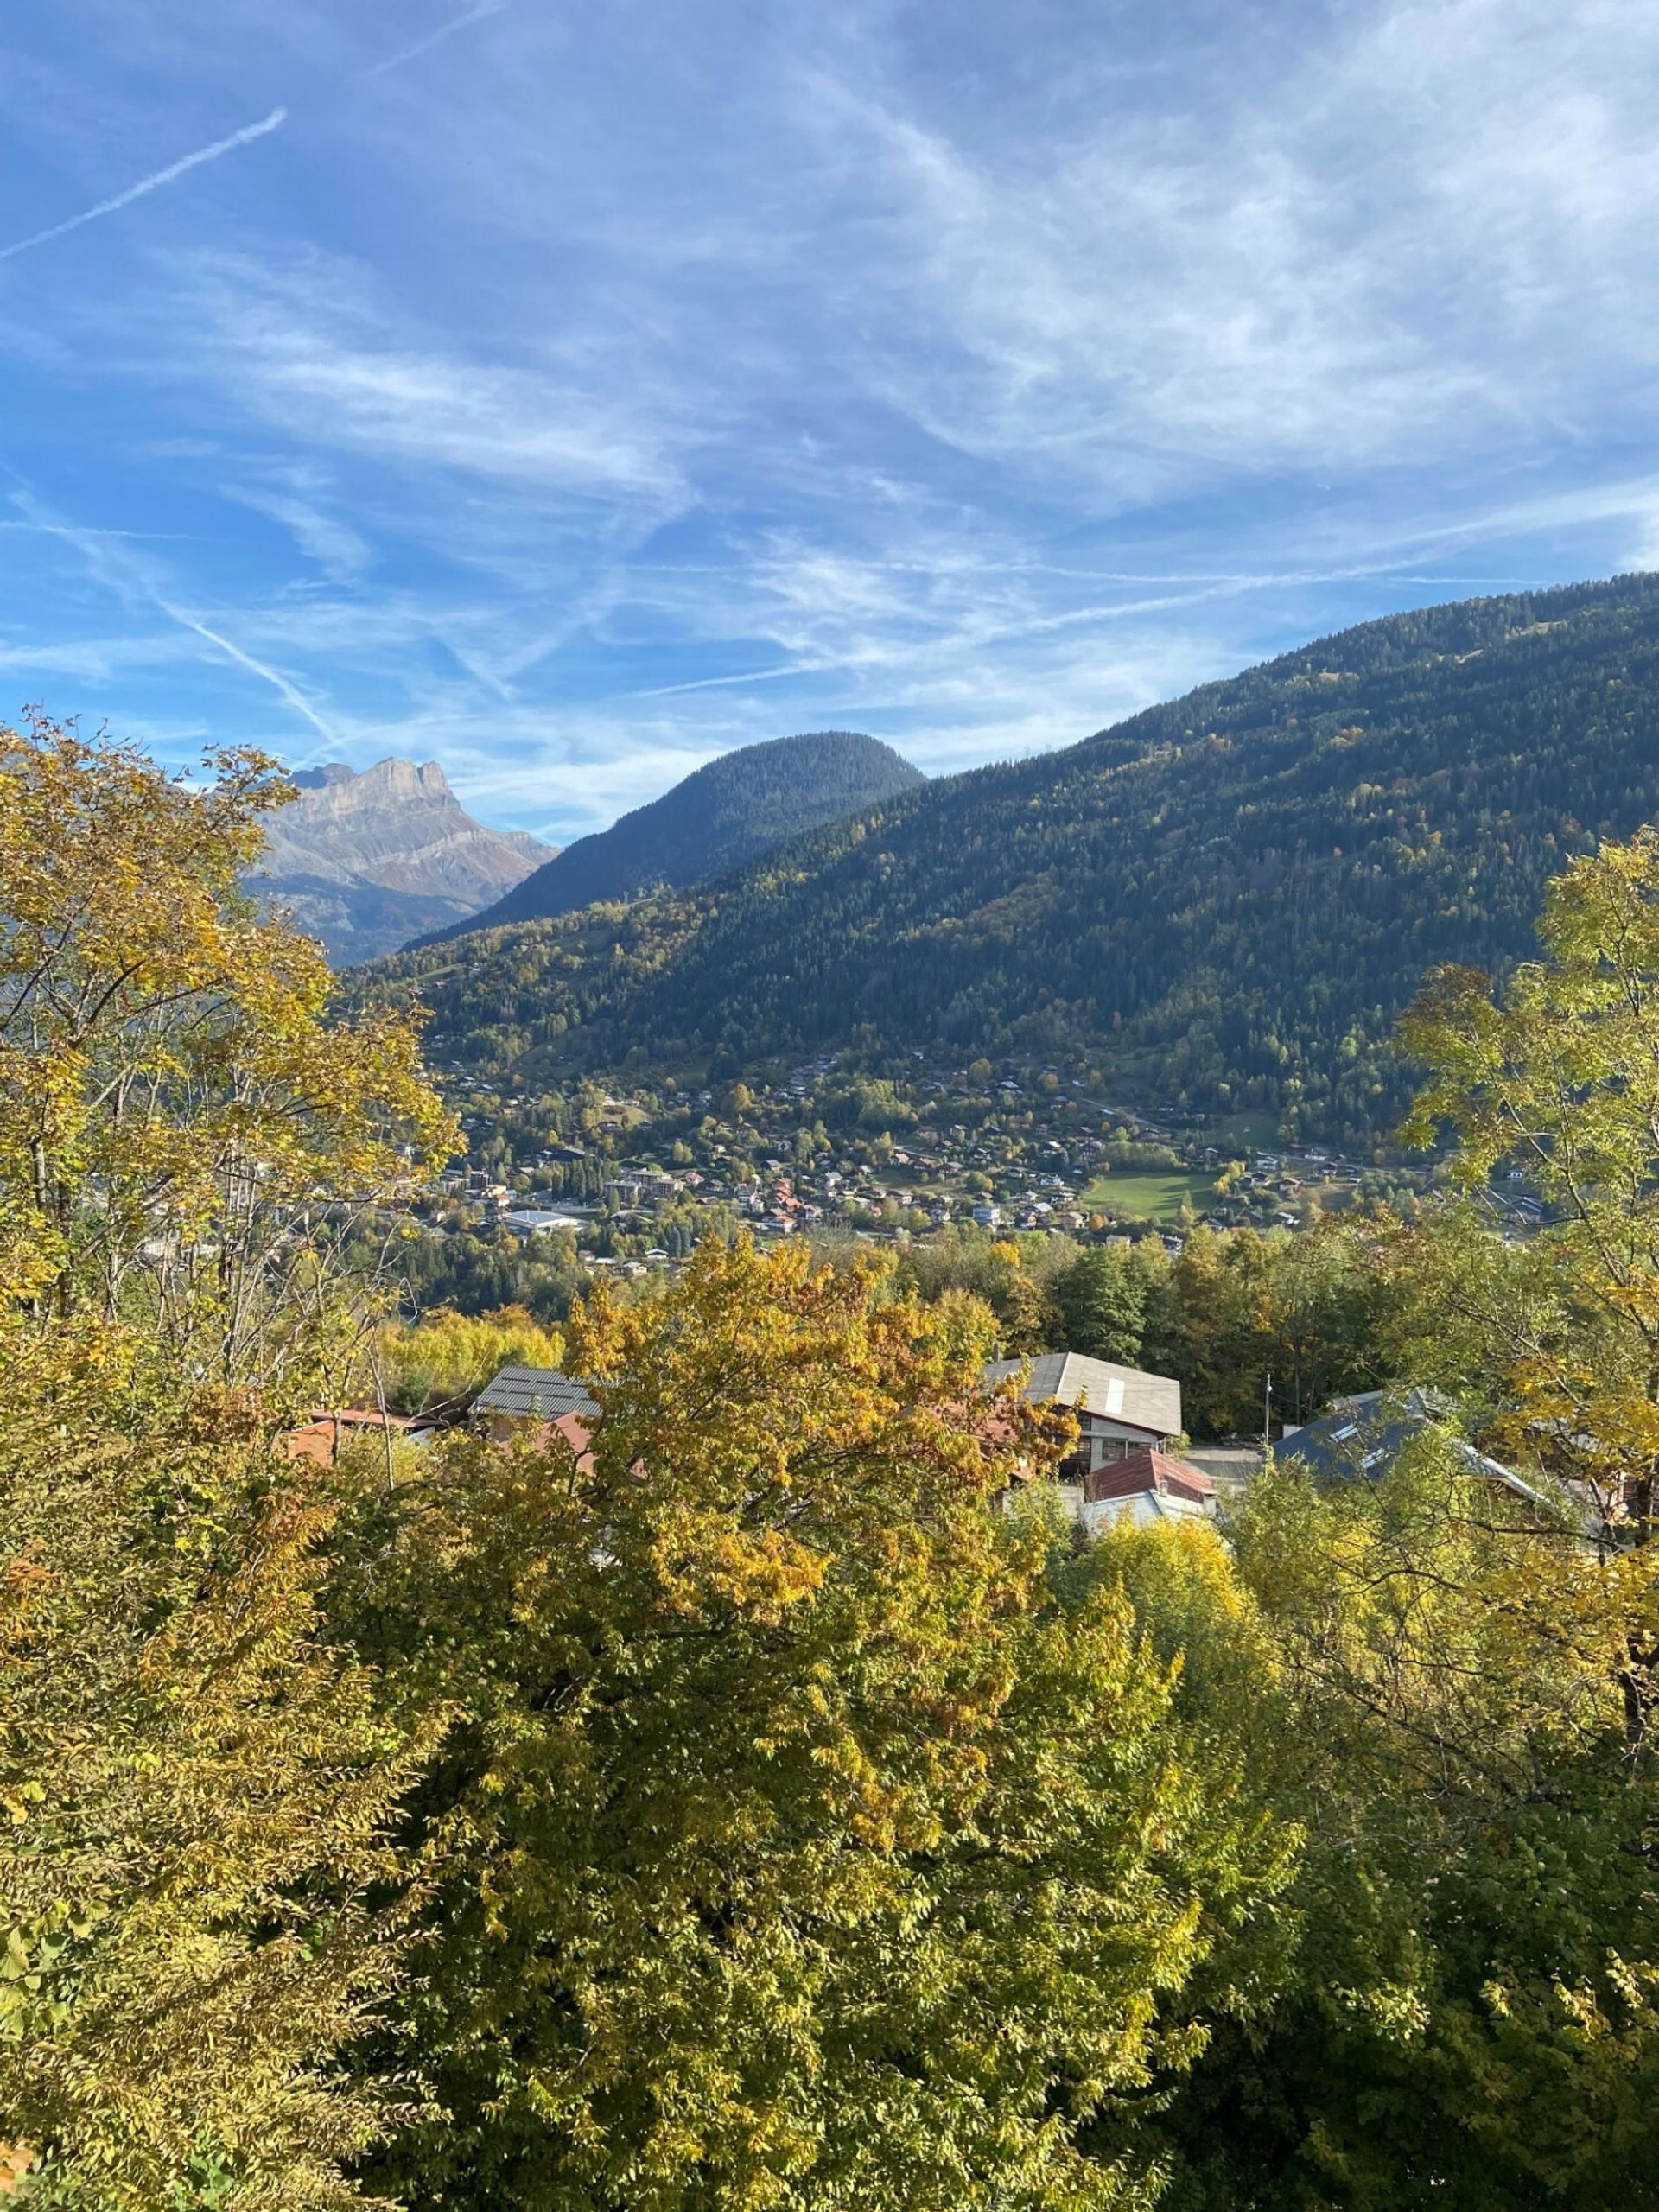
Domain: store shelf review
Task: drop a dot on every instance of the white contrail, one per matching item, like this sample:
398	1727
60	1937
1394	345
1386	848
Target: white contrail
436	37
242	137
279	682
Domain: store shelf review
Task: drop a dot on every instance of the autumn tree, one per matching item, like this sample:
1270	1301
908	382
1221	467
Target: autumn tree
1557	1080
1016	1279
441	1362
200	1903
1470	2015
199	1894
180	1123
804	1845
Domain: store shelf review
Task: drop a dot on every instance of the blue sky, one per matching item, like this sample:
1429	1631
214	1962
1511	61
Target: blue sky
569	394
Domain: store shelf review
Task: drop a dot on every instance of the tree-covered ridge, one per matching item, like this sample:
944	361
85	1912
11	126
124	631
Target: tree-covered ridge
717	819
1231	897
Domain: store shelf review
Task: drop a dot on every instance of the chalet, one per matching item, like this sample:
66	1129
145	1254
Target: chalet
1120	1409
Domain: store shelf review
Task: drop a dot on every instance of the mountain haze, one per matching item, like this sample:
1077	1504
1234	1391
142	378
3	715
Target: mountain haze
723	814
1225	901
366	861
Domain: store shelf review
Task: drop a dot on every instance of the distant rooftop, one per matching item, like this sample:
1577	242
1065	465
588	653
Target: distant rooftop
1149	1471
534	1394
1360	1437
1152	1402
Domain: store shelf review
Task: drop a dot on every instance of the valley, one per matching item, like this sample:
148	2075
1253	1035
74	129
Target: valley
1220	906
829	1109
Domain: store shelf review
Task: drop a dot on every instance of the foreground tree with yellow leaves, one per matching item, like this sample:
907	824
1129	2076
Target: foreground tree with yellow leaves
804	1845
1557	1082
181	1126
200	1903
200	1899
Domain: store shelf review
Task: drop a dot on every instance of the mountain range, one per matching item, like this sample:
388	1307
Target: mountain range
1224	901
724	814
365	862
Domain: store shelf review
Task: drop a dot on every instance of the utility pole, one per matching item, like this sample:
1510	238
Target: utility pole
1267	1410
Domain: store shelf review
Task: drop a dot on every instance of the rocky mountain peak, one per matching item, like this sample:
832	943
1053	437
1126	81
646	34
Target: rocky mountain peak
365	860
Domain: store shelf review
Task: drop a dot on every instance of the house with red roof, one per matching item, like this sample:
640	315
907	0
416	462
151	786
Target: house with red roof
1145	1487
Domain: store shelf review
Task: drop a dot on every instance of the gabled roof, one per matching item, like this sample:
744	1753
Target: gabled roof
1155	1472
1152	1402
533	1394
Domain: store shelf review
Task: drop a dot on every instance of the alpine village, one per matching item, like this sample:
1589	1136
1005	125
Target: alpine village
752	1467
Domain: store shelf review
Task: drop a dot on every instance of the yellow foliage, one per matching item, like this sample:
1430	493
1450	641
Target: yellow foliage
180	1121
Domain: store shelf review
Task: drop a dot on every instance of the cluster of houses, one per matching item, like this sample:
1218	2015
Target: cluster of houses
1032	1152
1128	1460
1126	1464
1131	1461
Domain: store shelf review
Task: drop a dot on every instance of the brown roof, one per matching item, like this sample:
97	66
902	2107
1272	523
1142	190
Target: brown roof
319	1440
574	1428
1148	1471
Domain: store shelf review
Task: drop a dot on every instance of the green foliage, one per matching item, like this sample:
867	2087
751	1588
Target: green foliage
199	1899
1230	896
1470	2019
802	1847
1103	1298
1306	1309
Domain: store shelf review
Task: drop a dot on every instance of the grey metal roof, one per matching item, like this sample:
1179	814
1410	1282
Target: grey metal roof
1151	1403
533	1394
1362	1437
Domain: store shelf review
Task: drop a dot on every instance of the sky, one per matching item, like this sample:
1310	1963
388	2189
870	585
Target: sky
567	394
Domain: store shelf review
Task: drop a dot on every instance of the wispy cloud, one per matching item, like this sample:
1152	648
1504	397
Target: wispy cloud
306	347
131	577
437	37
338	550
974	382
220	147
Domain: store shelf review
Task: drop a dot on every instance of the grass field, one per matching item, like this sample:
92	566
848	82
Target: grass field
1149	1194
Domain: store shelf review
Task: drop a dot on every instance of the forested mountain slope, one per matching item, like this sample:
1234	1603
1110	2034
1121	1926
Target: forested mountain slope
729	811
1227	899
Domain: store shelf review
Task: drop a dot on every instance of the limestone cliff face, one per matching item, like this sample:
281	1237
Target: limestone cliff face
366	861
